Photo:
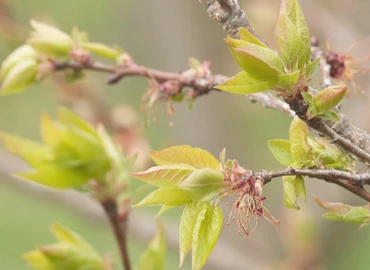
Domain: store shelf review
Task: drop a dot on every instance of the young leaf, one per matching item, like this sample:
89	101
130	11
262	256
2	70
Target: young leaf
49	40
64	256
66	235
330	116
57	177
163	209
203	184
194	63
337	208
192	213
330	155
154	256
168	176
169	197
299	147
72	252
328	98
293	187
51	132
310	68
288	80
73	121
281	151
102	50
195	157
293	36
243	83
111	149
344	212
19	77
32	152
22	53
308	98
205	235
358	215
259	62
245	35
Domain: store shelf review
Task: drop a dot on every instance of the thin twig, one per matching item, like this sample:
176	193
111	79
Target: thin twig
120	230
271	102
354	181
317	52
188	78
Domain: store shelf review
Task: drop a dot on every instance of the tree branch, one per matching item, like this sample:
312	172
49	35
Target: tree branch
173	83
229	14
119	228
354	181
341	134
320	126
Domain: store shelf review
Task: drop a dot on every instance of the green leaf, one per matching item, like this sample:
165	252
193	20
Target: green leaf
63	256
281	151
288	80
299	147
154	256
165	196
163	209
328	98
344	212
358	215
19	77
245	35
243	83
293	36
308	98
194	63
51	132
235	43
66	235
205	235
49	40
22	53
190	216
332	216
310	68
32	152
37	260
259	62
72	252
80	37
195	157
330	116
203	184
57	177
102	50
168	176
330	155
73	121
293	187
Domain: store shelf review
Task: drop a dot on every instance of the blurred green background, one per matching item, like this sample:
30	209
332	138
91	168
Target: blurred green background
162	34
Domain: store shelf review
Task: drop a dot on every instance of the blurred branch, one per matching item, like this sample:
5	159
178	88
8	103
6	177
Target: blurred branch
120	230
317	52
354	181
